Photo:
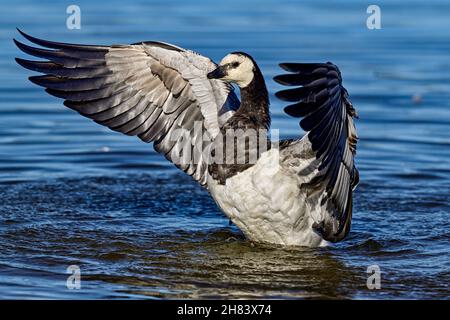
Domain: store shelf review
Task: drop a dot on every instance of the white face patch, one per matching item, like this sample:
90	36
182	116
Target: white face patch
239	69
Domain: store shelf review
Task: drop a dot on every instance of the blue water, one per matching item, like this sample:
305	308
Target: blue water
75	193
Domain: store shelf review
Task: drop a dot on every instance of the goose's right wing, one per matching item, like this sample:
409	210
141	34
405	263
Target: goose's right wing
324	158
152	90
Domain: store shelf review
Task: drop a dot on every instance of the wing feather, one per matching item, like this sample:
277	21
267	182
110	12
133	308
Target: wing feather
327	174
147	89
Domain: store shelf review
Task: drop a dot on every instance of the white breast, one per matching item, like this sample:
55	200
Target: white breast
265	202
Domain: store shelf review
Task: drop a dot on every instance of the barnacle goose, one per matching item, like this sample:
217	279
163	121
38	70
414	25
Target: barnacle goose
298	192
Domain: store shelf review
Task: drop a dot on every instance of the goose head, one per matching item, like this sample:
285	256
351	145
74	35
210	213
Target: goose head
236	67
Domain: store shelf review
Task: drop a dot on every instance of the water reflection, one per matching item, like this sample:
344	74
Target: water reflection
217	265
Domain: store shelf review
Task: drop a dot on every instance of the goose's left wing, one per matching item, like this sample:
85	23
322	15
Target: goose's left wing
324	158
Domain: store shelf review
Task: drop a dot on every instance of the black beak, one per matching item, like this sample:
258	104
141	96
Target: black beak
216	73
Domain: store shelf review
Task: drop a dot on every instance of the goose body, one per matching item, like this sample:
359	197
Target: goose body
265	202
293	192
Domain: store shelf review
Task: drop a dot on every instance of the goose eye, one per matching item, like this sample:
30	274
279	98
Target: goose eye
235	64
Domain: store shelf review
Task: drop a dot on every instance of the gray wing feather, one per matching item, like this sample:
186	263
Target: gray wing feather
147	89
324	158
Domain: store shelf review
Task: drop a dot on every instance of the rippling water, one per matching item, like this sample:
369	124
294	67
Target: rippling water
74	193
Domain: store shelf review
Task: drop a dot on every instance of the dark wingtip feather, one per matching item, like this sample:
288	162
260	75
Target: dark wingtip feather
60	45
18	43
284	66
292	110
37	52
43	43
37	80
45	80
39	66
21	32
293	95
300	109
305	67
35	40
300	79
24	63
286	95
27	64
281	79
278	80
56	93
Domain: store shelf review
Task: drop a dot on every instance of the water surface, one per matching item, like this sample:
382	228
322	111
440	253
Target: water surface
75	193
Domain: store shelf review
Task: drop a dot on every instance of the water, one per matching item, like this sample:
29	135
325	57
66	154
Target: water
74	193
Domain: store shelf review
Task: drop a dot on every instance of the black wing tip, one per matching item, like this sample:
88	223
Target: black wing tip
27	64
289	110
40	42
60	45
288	66
22	32
286	95
298	110
23	63
38	80
56	93
279	94
18	43
26	48
299	67
283	65
279	79
28	37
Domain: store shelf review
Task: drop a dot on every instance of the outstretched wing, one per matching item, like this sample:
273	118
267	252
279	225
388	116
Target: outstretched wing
324	157
152	90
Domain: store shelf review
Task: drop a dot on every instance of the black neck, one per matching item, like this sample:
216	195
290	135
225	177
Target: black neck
255	100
